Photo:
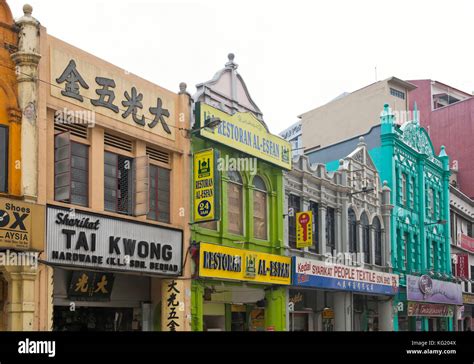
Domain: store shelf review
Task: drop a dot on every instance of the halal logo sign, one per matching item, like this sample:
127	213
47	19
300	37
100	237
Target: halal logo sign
426	285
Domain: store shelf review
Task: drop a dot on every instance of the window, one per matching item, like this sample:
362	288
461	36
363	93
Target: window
397	93
412	193
159	194
469	229
293	203
472	277
403	191
431	202
118	183
405	250
364	222
3	159
313	206
433	255
378	241
330	230
71	171
235	203
259	209
352	231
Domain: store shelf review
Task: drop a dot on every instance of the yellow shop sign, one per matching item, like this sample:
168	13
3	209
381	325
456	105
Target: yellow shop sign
217	261
244	132
205	186
21	225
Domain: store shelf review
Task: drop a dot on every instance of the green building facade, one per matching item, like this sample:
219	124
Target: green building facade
226	294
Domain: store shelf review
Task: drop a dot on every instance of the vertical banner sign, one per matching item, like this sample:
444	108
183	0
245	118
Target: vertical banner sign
304	229
462	268
205	186
172	303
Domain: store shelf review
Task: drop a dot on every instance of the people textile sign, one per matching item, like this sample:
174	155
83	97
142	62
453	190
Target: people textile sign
20	224
244	132
304	229
81	239
243	265
205	186
321	274
426	289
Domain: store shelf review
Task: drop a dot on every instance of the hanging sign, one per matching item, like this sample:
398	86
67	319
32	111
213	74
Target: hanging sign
304	229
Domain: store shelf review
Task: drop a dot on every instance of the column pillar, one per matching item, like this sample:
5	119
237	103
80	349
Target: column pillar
26	60
386	316
275	311
343	311
20	306
322	229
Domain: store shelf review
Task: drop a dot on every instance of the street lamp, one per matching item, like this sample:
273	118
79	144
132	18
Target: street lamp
210	123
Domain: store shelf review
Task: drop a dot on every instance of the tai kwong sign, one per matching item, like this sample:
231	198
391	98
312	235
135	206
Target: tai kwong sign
101	242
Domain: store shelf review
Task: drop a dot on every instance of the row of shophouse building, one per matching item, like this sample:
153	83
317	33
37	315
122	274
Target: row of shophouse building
126	206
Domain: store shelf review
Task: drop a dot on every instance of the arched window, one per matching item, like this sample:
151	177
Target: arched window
378	240
259	208
352	231
235	206
364	223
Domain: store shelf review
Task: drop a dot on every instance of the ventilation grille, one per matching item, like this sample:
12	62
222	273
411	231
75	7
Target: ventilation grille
78	130
118	142
158	155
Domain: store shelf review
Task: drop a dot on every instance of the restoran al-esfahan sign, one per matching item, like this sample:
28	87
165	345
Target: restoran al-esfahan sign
81	239
244	132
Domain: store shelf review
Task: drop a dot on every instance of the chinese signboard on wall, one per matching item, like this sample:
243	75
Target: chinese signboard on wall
243	265
107	91
304	229
172	314
90	286
81	239
21	225
205	186
462	266
320	274
244	132
426	289
466	242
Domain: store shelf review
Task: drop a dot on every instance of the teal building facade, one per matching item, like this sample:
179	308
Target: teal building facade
420	233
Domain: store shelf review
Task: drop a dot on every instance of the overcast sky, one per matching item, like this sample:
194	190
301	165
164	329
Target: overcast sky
293	55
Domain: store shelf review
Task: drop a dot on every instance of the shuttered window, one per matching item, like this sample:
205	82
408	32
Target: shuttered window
235	203
259	209
159	194
71	170
118	183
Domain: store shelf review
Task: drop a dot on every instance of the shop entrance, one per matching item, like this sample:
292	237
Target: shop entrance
233	308
94	319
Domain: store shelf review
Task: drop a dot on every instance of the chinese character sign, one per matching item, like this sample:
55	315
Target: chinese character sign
304	229
90	286
112	92
172	303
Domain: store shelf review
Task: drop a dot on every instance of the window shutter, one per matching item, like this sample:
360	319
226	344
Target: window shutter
62	167
141	186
